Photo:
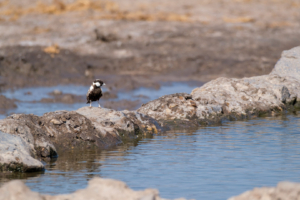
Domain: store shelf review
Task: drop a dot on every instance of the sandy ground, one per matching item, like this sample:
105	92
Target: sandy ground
136	43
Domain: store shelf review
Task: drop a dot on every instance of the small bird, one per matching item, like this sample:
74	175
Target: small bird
95	92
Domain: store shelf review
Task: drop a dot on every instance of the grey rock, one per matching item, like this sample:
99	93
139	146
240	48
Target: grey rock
170	107
87	127
234	98
119	123
15	155
18	190
31	129
68	130
283	191
289	64
247	96
98	188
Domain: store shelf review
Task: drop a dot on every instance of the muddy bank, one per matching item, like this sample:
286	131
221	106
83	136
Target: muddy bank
141	44
132	44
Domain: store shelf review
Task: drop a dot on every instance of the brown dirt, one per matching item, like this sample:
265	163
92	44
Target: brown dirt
131	43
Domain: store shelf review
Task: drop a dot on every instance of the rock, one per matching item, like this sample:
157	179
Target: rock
170	107
119	123
18	190
283	191
109	37
85	128
6	104
70	129
98	188
234	98
56	92
31	129
288	64
244	97
15	155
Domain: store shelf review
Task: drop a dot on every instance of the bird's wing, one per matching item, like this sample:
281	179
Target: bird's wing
89	92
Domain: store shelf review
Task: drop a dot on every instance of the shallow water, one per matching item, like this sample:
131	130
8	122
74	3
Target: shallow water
28	103
209	163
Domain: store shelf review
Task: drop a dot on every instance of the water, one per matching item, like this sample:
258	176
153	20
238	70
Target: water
213	163
29	104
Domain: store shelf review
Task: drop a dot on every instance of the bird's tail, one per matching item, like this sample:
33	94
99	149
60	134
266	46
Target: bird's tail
89	101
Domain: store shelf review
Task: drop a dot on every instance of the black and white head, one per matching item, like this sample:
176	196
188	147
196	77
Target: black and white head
98	83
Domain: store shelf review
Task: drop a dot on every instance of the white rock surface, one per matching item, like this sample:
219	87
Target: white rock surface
289	64
15	155
98	188
283	191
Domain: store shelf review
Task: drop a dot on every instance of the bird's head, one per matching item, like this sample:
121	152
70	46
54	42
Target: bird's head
98	83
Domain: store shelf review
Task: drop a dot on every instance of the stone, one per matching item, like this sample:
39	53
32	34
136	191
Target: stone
119	123
84	128
233	98
283	191
31	129
18	190
289	64
244	97
56	122
169	107
15	155
98	188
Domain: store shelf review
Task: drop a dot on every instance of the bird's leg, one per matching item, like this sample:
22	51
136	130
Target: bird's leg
90	104
99	104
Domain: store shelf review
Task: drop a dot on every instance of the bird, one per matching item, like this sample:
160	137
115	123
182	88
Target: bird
95	92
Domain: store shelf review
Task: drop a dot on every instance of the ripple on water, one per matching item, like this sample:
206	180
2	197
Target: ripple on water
211	163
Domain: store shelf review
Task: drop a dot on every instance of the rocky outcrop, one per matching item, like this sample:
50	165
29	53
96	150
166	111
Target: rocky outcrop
16	155
234	98
98	188
30	129
119	123
289	64
219	99
84	128
283	191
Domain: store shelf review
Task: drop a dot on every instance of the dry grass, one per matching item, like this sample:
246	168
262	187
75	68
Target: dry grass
279	24
106	9
52	50
245	19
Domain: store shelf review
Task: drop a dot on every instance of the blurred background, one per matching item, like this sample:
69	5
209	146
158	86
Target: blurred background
52	50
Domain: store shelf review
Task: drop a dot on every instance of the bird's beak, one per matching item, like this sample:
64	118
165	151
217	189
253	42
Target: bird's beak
104	84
